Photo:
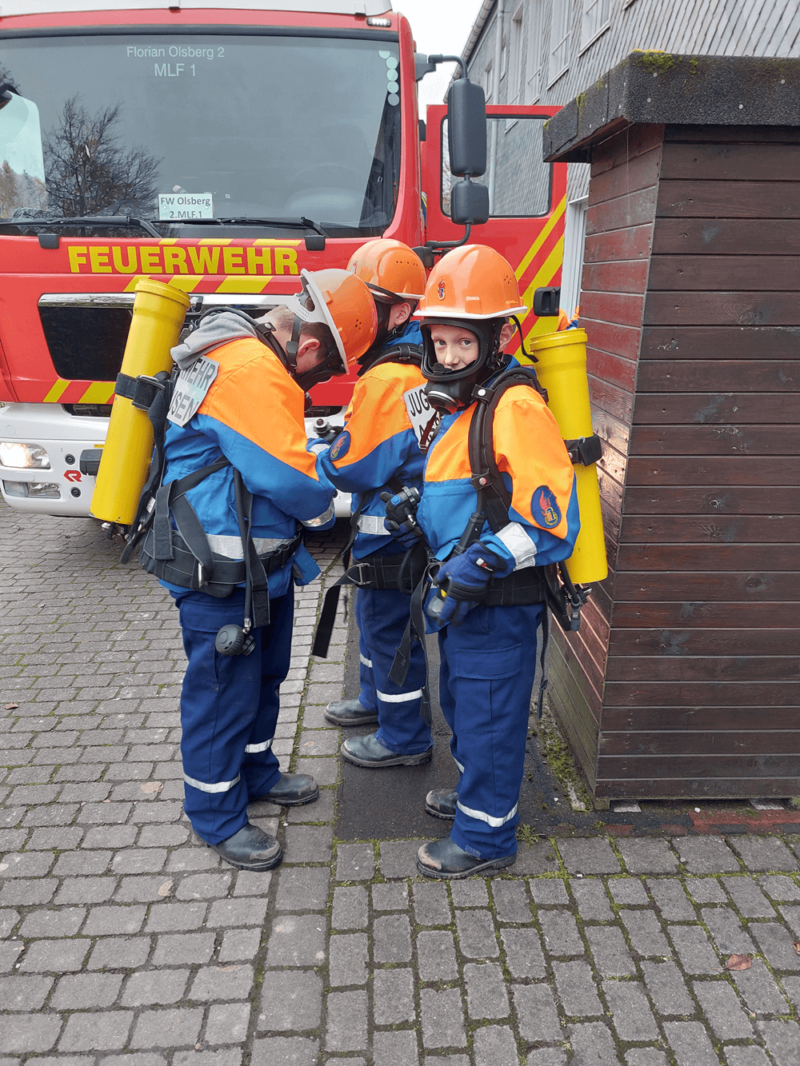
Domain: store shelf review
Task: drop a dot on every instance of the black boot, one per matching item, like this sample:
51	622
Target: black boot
292	790
441	803
349	712
368	751
444	858
249	849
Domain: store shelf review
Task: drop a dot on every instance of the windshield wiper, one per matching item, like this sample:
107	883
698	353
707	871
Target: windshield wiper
85	220
246	220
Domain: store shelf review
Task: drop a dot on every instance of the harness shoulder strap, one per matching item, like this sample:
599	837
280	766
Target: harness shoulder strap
400	353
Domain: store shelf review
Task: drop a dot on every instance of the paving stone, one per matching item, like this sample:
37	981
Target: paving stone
548	890
446	1060
690	1044
782	1040
476	934
302	888
727	931
627	890
395	1049
560	931
24	993
442	1018
645	1056
644	932
776	944
494	1045
249	883
27	864
671	899
592	900
172	917
593	1043
393	996
486	992
204	886
778	886
391	938
523	951
764	853
85	890
176	1027
705	890
114	921
321	811
291	1001
9	954
469	893
151	987
390	897
543	1057
758	989
166	836
96	1031
23	1033
536	858
647	856
721	1006
630	1010
104	836
436	956
791	916
398	858
346	1028
589	856
285	1051
349	908
120	953
308	843
511	901
748	898
609	950
694	949
792	988
228	1024
355	862
228	912
85	990
348	959
576	989
537	1014
136	1058
63	922
174	949
55	956
221	982
297	940
706	855
239	944
63	838
746	1056
431	905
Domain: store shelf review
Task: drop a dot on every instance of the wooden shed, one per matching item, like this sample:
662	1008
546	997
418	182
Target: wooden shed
685	678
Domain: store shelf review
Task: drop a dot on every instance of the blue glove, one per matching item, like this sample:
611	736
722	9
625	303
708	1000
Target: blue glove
462	580
401	521
405	538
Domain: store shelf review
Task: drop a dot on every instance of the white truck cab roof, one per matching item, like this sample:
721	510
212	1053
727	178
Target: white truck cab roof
323	7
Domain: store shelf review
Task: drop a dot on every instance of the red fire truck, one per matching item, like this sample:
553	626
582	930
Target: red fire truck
218	146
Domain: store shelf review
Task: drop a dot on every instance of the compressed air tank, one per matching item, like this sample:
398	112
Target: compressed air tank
561	368
158	314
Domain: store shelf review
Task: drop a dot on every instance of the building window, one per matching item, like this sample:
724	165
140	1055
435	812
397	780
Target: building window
533	66
488	82
515	56
559	38
596	18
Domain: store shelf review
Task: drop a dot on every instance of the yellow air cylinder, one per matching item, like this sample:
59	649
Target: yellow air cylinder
158	314
562	370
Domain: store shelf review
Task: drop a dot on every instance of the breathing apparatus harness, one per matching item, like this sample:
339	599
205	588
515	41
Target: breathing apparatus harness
183	555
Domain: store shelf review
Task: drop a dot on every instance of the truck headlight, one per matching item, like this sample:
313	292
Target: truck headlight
23	456
32	489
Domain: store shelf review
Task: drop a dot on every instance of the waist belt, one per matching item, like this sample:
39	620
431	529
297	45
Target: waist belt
520	588
185	571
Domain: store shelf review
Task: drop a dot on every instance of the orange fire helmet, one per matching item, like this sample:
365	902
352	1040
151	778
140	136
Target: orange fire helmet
342	302
391	269
473	281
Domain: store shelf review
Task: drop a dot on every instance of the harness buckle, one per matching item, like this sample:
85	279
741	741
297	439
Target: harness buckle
144	391
363	575
201	577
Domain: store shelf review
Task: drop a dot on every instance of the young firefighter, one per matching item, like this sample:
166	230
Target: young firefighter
488	618
378	451
236	457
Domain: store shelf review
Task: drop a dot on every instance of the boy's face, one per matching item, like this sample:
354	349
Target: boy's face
453	346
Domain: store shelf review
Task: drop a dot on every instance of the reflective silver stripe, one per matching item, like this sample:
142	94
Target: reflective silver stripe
220	786
365	662
231	547
519	544
402	697
458	764
483	817
320	520
373	524
264	746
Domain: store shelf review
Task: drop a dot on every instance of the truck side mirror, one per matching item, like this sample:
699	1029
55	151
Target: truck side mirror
546	302
466	120
469	203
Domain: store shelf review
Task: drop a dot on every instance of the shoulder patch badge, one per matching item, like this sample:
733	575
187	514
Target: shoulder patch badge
544	508
341	446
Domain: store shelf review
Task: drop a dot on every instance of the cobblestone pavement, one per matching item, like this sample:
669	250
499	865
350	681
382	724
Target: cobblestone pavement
120	937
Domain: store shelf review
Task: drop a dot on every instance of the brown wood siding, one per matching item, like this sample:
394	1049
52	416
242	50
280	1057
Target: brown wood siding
702	681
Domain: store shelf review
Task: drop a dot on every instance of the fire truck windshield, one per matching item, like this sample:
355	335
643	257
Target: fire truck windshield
204	128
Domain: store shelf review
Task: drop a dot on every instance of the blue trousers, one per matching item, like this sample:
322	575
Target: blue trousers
488	665
229	709
382	616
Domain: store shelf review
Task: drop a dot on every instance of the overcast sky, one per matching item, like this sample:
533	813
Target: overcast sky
438	26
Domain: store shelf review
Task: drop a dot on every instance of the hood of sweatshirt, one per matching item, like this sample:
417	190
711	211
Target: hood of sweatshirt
212	333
